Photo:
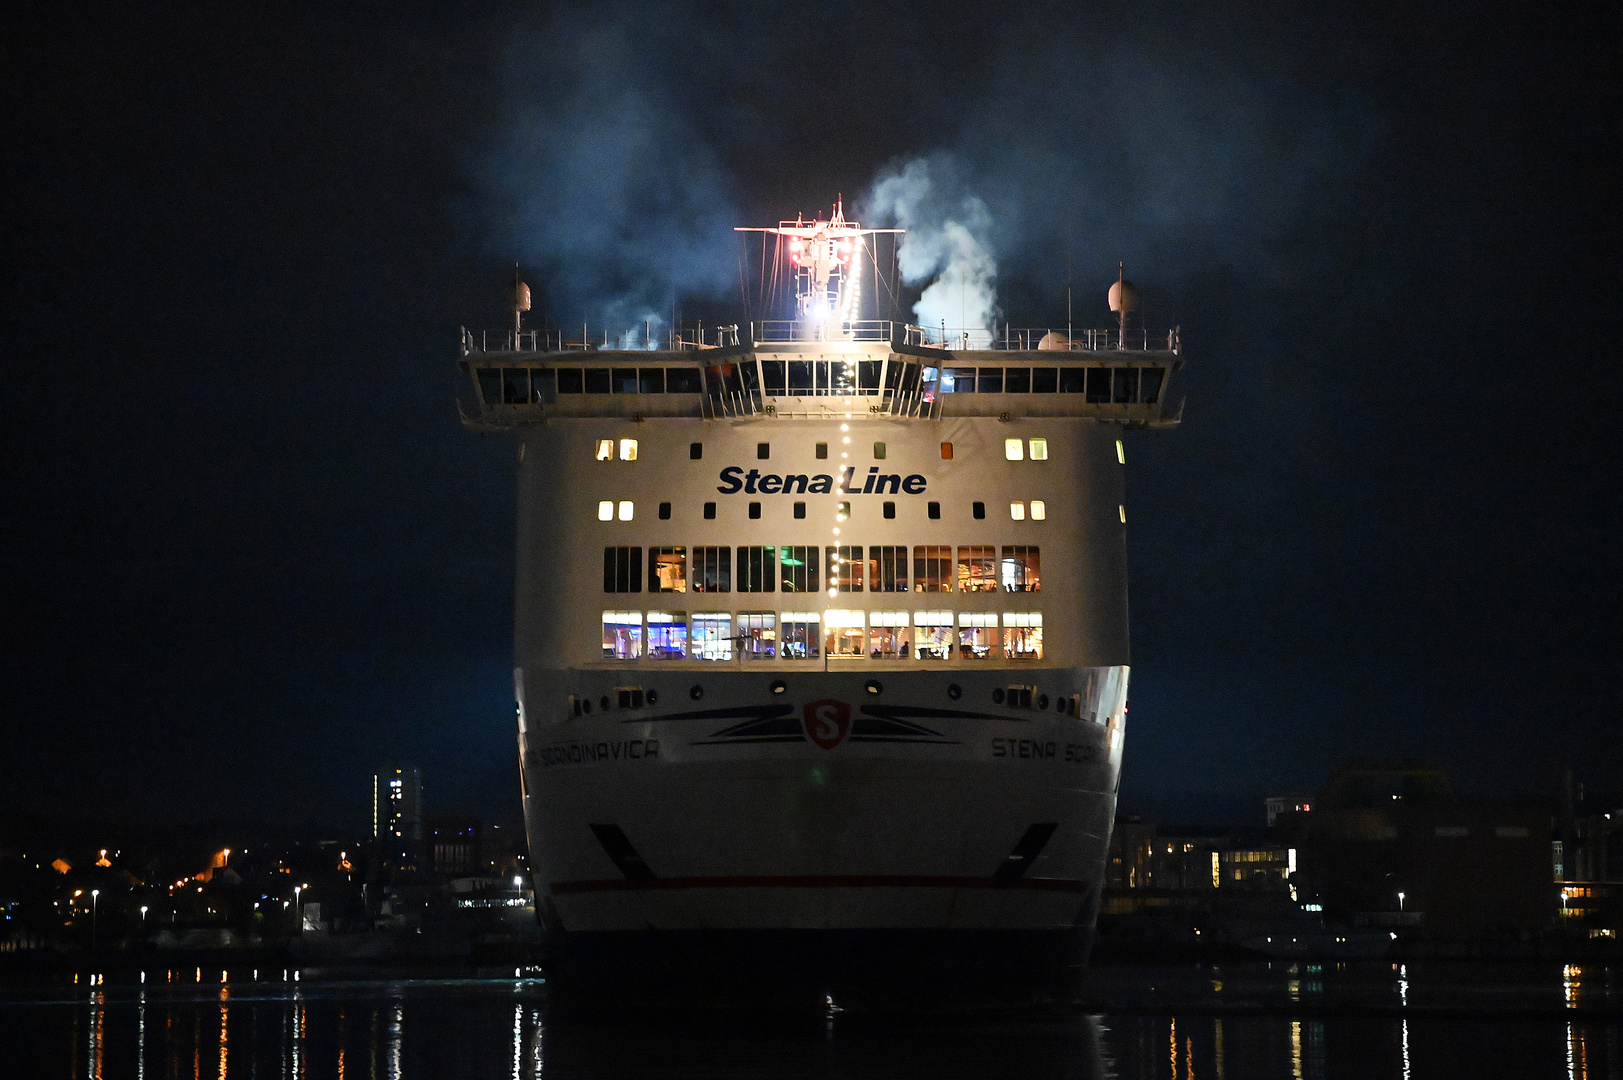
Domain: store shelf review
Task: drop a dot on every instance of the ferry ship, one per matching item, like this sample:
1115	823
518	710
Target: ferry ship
821	654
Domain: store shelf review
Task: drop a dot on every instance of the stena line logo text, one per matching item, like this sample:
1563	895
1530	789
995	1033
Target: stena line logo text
734	480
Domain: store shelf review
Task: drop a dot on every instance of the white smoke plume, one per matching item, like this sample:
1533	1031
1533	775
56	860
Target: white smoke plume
948	239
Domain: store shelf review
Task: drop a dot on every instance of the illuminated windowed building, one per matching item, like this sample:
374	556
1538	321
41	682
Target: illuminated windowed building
397	816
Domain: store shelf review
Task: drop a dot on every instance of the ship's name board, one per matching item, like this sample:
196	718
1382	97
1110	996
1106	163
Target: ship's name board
734	480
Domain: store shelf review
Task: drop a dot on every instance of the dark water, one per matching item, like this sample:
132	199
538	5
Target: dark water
1212	1023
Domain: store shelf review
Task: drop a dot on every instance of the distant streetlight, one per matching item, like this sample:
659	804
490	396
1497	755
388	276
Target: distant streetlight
93	894
143	916
1400	901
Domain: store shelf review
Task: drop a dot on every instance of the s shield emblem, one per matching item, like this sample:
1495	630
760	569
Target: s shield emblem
828	723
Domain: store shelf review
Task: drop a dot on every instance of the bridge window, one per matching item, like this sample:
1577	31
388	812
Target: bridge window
758	635
757	569
887	569
958	380
711	636
515	386
800	378
569	381
799	569
772	377
977	634
890	635
625	380
712	569
977	568
802	636
1098	385
1125	382
490	385
1044	380
650	380
1021	568
842	634
1149	387
990	381
683	380
622	635
932	634
622	569
667	569
1023	635
932	568
845	568
868	376
1017	380
598	380
1073	380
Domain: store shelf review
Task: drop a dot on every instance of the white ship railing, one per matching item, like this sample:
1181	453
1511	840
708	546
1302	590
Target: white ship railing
789	331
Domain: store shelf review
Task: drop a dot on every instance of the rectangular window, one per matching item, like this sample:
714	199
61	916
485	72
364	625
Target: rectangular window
651	380
842	633
569	380
868	375
1098	385
772	377
1014	449
946	451
932	633
625	380
667	635
757	569
845	568
605	449
800	511
1124	385
1017	380
625	511
622	569
1149	390
1021	568
755	511
932	568
802	636
977	634
665	511
991	380
605	511
889	510
977	568
842	511
763	450
622	635
696	450
799	569
712	570
1023	635
932	511
515	386
628	449
822	450
597	380
890	635
958	380
879	450
1017	511
1039	510
800	378
711	636
887	569
1073	380
683	380
1039	449
667	570
977	510
710	511
1044	380
758	634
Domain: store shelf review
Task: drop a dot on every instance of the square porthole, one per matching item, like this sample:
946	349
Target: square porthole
763	450
800	510
890	510
879	451
977	511
946	451
822	450
755	511
933	511
710	511
696	450
664	511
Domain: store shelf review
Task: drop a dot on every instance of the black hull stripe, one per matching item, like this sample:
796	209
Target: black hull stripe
819	881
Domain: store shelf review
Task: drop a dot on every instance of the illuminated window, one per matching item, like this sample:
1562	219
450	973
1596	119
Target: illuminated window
605	511
842	633
1017	511
711	636
628	449
977	568
1014	449
605	449
946	451
758	634
625	510
757	569
932	635
1039	510
1023	635
667	635
799	569
1121	452
622	635
977	634
1039	449
845	568
887	569
1123	511
842	511
932	568
622	569
890	635
667	570
801	636
1020	568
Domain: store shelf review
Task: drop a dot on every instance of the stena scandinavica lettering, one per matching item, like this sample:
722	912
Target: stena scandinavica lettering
734	479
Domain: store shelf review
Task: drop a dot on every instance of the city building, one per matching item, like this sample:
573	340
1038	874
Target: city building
397	816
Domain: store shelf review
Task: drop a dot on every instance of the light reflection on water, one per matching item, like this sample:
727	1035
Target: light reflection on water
1413	1021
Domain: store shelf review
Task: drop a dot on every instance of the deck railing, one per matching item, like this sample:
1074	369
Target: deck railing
787	331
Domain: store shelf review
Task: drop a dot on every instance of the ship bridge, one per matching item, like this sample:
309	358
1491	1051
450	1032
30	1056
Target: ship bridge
804	369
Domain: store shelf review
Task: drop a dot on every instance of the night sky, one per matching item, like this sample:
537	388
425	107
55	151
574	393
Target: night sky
250	555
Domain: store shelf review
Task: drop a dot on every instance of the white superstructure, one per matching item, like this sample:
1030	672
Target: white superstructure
821	644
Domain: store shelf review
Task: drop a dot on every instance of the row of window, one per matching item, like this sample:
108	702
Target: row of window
626	510
813	635
1013	450
847	568
822	378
